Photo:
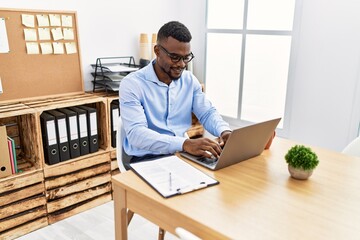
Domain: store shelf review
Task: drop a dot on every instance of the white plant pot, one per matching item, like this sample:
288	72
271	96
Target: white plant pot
299	173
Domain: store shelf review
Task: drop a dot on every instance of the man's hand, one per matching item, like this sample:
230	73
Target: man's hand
224	137
202	147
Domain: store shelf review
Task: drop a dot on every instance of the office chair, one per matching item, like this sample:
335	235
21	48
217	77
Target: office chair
119	154
353	148
185	235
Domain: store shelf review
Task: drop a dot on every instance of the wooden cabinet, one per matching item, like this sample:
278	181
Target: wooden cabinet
42	194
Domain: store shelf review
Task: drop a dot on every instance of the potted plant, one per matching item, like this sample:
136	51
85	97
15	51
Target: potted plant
301	161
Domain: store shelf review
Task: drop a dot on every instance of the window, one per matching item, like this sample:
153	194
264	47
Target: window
247	57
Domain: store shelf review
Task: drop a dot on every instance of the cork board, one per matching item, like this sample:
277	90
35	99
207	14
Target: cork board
27	76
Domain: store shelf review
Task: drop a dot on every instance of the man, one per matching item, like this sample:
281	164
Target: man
156	103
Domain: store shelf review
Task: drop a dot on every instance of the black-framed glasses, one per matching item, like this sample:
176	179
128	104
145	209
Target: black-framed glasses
176	57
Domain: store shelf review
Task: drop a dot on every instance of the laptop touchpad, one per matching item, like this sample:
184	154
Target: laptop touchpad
208	160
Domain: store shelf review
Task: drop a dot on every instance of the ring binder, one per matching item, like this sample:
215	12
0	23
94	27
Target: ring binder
62	134
49	137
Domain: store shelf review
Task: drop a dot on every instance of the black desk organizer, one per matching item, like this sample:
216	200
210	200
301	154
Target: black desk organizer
105	78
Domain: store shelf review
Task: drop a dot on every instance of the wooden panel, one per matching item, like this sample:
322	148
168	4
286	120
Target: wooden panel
22	206
116	171
30	135
14	109
21	194
20	181
77	198
113	154
76	176
79	164
53	102
24	229
17	220
37	74
77	187
67	212
114	165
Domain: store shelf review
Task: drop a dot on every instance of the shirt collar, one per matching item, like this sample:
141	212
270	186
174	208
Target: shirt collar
151	76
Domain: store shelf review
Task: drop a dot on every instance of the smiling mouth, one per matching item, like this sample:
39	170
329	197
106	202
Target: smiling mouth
178	70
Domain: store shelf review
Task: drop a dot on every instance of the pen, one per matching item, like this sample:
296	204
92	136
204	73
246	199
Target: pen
170	182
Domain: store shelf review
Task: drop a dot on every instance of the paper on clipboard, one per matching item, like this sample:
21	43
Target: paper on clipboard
172	176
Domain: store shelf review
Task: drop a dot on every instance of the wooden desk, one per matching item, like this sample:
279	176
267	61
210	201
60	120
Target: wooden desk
256	199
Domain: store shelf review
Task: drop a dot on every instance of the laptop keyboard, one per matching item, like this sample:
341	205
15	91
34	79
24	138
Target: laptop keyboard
208	161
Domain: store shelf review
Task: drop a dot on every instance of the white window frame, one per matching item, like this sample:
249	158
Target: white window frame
294	33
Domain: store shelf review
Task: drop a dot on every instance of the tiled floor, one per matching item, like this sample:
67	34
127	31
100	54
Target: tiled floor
96	224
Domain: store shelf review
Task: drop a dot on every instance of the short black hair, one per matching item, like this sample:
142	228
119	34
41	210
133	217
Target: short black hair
176	30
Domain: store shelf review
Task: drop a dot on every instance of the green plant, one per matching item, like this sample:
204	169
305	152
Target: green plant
302	157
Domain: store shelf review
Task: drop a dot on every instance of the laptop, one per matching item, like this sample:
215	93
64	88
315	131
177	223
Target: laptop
243	143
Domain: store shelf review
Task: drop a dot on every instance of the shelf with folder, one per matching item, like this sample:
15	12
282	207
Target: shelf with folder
71	103
22	194
80	180
21	126
109	71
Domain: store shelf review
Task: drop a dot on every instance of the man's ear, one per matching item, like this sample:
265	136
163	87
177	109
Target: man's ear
156	50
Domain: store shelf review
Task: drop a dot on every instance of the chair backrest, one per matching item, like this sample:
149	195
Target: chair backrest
119	143
353	148
184	234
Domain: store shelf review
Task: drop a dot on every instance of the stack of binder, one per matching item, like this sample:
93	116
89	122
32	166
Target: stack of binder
69	133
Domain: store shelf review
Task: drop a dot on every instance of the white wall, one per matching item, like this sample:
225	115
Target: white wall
324	93
325	108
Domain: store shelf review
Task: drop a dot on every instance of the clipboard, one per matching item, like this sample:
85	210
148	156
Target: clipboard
171	176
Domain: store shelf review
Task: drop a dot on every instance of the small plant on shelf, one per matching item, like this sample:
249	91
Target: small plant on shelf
301	161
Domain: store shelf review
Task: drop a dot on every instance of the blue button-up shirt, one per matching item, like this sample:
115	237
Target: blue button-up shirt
156	116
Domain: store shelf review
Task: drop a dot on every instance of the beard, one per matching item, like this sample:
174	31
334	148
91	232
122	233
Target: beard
174	73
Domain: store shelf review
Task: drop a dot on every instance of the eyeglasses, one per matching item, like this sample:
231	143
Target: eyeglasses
176	58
